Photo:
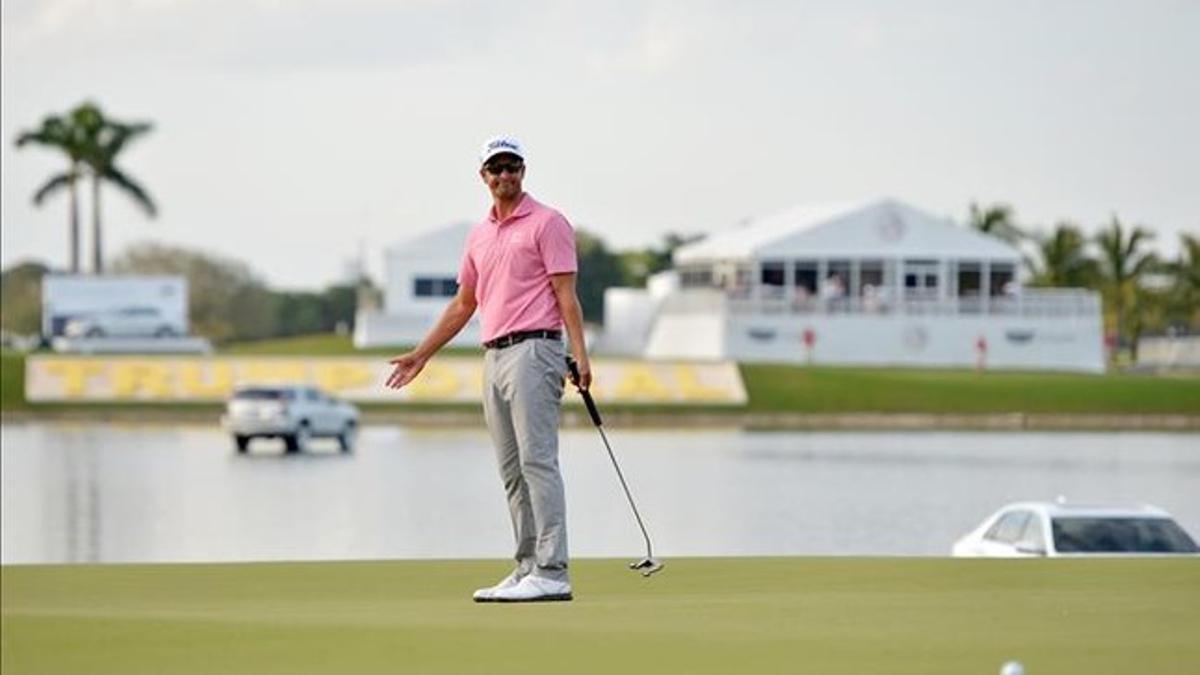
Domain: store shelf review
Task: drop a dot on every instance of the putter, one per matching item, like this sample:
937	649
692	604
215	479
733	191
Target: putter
648	565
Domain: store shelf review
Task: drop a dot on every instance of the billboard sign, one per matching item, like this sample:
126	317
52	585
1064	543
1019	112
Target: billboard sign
114	306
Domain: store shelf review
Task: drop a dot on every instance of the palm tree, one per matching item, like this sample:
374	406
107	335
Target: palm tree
110	139
64	135
1122	266
91	143
1063	259
997	220
1186	273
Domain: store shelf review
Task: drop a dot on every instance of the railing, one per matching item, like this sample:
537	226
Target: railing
1035	302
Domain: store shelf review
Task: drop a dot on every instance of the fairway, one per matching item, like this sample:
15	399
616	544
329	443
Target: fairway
700	615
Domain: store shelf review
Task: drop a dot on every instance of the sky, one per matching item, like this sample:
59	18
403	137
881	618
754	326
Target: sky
300	135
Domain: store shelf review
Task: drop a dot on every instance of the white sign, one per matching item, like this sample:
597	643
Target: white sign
114	306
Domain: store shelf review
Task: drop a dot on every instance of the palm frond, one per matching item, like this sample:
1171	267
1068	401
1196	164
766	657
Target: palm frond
117	136
53	132
51	186
132	188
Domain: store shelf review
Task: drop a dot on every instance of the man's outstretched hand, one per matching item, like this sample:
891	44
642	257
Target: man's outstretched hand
407	367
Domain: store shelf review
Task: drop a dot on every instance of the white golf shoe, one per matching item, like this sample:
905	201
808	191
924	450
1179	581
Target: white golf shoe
485	594
533	589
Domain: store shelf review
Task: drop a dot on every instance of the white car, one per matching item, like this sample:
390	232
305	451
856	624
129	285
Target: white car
297	414
1061	529
123	322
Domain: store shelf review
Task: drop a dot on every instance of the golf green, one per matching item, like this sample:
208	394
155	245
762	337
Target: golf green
699	615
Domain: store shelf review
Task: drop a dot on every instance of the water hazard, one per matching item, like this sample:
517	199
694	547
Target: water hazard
121	493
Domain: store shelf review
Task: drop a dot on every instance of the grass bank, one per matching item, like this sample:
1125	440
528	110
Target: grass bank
896	390
324	345
785	389
714	615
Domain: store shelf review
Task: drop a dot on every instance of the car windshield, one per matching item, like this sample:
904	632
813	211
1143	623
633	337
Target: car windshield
1121	535
264	395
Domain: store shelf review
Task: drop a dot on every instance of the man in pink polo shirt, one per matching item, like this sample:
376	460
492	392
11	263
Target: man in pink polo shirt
519	269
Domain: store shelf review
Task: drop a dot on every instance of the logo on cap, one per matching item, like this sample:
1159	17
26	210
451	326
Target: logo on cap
503	143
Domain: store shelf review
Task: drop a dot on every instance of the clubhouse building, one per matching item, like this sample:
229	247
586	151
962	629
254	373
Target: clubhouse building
875	283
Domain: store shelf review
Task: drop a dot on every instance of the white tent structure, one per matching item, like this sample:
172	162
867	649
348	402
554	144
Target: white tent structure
884	228
872	283
420	278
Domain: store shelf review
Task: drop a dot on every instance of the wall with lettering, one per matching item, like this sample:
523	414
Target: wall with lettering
444	380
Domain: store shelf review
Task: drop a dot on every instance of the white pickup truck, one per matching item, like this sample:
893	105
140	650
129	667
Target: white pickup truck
295	413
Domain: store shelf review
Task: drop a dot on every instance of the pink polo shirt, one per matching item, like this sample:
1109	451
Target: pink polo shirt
509	264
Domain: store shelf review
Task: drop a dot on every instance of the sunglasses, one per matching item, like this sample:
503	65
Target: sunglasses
500	167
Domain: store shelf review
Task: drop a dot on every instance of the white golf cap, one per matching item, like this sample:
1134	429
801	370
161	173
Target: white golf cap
498	145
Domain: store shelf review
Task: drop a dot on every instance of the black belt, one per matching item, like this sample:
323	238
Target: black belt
520	336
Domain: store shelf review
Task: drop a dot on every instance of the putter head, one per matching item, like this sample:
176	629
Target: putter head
646	566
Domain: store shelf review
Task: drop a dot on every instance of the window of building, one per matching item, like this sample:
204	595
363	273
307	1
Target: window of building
737	279
838	276
695	277
921	278
1001	279
435	287
970	279
806	276
773	273
870	275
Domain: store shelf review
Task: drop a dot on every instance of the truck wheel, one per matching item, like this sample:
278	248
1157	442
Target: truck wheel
347	438
299	441
242	443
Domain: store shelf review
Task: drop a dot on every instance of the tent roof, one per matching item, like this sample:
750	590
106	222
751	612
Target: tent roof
882	228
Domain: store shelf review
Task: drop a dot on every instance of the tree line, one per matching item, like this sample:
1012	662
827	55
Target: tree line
227	301
1141	292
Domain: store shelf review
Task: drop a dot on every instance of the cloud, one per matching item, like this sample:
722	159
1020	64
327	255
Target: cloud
229	32
663	37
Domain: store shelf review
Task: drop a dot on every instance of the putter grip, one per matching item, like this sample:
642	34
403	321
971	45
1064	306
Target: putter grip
587	395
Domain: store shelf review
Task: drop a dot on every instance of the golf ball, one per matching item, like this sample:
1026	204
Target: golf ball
1012	668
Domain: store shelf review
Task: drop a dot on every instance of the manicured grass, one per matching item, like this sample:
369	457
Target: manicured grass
821	389
324	345
12	381
714	615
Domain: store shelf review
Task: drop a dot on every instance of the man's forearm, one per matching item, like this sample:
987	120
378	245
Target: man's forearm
453	318
573	319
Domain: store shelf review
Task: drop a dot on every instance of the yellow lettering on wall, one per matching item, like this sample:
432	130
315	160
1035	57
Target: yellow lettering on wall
141	379
334	377
360	379
641	382
691	389
205	379
435	381
273	371
74	373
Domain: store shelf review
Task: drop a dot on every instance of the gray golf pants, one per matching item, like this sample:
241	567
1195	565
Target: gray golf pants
522	393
